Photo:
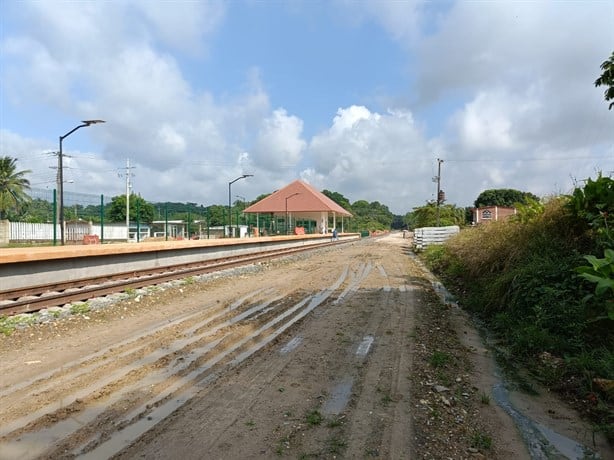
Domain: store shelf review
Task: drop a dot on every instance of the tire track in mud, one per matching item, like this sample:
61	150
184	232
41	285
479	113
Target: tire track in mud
260	410
147	377
383	391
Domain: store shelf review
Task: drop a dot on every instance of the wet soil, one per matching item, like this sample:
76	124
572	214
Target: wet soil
342	353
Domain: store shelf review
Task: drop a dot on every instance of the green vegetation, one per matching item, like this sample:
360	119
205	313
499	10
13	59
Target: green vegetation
439	358
449	214
386	400
529	281
336	445
367	216
481	441
79	308
139	209
13	186
607	79
372	216
503	197
314	417
9	323
426	216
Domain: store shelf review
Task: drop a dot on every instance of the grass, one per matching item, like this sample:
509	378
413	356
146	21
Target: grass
439	358
519	279
9	323
336	445
282	445
481	441
485	399
314	417
386	400
334	423
79	308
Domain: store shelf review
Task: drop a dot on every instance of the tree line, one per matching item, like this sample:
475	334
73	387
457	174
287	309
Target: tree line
16	205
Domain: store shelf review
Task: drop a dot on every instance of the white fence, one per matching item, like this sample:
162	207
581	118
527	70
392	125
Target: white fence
427	236
23	231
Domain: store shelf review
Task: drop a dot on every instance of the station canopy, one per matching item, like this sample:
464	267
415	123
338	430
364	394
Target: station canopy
297	197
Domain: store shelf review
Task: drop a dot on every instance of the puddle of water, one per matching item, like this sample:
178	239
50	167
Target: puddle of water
542	442
183	389
364	346
291	345
340	395
363	272
568	447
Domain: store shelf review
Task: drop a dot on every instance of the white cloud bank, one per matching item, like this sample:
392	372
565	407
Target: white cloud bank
514	83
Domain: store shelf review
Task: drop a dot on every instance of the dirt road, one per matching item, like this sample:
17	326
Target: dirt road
342	353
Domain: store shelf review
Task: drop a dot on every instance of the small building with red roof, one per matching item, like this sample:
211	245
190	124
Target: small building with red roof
298	207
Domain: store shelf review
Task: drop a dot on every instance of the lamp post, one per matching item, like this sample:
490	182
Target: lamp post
230	198
83	124
287	198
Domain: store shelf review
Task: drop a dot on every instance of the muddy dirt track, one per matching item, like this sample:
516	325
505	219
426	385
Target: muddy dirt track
323	355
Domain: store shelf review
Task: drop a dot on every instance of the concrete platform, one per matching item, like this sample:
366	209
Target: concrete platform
22	267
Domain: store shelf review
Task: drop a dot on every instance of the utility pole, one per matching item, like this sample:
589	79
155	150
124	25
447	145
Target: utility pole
440	195
128	188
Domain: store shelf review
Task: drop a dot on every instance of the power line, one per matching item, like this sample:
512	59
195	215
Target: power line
469	160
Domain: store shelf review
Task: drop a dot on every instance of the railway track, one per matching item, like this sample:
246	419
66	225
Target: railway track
35	298
81	414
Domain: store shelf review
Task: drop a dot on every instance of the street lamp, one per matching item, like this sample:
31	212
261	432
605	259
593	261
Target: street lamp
287	198
230	198
83	124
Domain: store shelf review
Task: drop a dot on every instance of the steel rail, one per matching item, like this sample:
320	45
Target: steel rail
34	298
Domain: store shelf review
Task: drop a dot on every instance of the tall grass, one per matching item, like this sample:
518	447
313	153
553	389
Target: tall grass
519	277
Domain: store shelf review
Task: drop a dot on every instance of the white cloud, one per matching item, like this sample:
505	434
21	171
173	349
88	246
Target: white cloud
279	144
378	157
402	19
513	83
182	26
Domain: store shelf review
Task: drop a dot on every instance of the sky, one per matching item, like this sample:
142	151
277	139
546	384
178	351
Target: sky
357	97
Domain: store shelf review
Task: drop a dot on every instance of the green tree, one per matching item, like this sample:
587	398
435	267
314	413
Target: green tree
339	199
370	216
218	215
426	216
593	207
37	211
503	197
607	79
13	186
116	211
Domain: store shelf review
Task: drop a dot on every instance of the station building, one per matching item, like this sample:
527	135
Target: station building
298	208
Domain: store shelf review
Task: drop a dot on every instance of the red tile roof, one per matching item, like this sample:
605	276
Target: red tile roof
300	197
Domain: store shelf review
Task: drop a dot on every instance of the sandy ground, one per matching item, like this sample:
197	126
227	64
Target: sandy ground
342	353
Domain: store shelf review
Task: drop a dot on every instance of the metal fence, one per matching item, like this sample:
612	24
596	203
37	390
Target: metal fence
427	236
75	232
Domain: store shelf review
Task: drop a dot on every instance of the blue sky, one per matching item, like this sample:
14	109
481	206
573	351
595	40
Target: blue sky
358	97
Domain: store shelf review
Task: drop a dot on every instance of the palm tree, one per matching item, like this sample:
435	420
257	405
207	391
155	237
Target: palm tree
13	186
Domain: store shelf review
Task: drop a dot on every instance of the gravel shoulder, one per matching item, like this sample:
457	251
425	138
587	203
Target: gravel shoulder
378	367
